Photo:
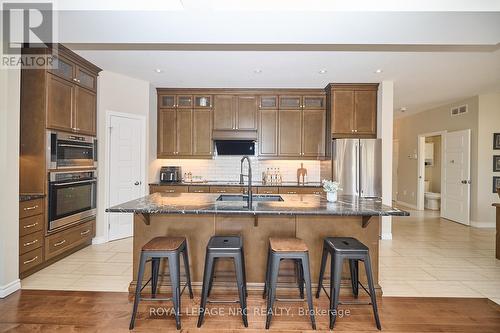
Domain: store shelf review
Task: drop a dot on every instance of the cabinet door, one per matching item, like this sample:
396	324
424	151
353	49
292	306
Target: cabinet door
268	102
184	131
290	102
166	132
63	68
166	101
246	116
203	102
268	133
86	79
314	102
290	133
313	134
85	111
60	97
184	101
343	112
365	114
202	132
224	110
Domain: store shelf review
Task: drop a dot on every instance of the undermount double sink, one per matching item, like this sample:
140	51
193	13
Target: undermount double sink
241	197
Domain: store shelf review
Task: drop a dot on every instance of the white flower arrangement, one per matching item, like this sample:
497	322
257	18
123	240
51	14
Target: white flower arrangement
330	186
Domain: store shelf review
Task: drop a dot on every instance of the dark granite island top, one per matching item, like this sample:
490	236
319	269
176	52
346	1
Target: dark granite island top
292	204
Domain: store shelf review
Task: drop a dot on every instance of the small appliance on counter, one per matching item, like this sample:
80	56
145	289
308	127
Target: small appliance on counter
170	174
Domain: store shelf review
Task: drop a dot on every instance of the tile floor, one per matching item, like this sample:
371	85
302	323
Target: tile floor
427	256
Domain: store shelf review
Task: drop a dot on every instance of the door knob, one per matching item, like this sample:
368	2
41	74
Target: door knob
465	182
137	183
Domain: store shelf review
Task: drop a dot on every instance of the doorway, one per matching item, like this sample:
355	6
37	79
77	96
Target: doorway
126	168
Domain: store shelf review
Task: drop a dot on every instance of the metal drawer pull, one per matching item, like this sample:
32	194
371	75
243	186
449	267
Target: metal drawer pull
83	233
221	191
60	243
31	243
199	191
170	191
30	261
291	192
30	225
31	208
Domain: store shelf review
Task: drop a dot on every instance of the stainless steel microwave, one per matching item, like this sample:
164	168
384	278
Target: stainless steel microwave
67	151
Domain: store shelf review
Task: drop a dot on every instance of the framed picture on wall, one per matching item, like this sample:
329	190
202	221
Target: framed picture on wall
496	184
496	141
496	163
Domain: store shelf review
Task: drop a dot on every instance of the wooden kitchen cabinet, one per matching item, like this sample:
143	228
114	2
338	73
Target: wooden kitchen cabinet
232	112
313	133
268	102
202	132
85	111
184	102
168	189
224	114
60	100
290	133
166	101
246	113
353	110
85	78
290	102
166	133
184	132
268	132
64	68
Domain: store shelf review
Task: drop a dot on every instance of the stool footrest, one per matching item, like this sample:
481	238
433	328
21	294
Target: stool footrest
222	301
354	303
156	299
289	300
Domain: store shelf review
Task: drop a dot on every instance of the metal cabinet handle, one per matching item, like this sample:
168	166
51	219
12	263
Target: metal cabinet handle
170	191
60	243
83	233
198	191
31	208
30	225
292	192
31	243
221	191
30	261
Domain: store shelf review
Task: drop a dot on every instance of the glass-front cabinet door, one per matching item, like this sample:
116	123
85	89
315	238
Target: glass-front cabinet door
167	101
63	68
290	102
268	102
184	101
314	102
203	102
85	79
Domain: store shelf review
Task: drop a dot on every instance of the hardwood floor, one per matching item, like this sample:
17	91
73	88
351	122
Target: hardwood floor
70	311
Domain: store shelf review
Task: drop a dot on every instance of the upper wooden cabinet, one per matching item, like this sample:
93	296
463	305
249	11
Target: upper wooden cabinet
235	112
268	132
60	101
313	133
184	125
72	71
85	114
290	102
268	102
353	110
290	133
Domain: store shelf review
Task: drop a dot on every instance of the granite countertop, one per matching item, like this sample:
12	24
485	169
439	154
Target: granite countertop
293	204
235	183
30	196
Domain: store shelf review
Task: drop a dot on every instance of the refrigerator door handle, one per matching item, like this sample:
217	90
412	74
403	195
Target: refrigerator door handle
360	165
357	168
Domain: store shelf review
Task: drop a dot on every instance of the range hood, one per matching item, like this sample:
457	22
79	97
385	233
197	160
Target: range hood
234	147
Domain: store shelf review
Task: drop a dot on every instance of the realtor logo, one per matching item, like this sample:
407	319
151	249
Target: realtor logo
28	25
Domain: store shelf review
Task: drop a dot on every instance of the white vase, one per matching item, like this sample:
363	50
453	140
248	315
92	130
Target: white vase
331	196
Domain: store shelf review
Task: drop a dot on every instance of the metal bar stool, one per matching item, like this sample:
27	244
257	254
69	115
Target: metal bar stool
351	249
294	249
156	249
224	247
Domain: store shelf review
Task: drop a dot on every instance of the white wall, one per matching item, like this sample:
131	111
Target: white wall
117	93
488	123
9	169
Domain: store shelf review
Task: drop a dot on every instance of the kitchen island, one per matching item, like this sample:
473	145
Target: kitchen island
200	216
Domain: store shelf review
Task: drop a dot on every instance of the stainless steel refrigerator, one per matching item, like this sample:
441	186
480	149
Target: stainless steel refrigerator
357	166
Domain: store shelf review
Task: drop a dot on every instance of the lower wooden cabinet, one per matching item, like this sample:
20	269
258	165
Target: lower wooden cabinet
31	234
227	189
199	189
66	240
268	190
31	242
234	189
30	260
168	189
301	190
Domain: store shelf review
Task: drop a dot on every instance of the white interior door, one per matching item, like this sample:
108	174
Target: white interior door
125	171
455	195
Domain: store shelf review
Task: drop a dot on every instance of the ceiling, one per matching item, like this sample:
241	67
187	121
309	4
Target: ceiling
432	57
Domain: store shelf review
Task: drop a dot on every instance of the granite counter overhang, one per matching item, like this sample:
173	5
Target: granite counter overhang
293	204
237	184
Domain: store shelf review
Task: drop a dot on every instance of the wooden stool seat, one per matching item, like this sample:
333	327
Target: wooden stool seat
287	245
164	244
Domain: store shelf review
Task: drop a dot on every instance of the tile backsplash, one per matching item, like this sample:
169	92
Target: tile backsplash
227	168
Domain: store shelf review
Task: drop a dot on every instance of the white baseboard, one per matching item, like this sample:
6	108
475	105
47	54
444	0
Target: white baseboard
10	288
386	236
406	204
99	240
477	224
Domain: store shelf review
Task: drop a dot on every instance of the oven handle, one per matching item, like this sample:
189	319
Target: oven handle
79	182
75	146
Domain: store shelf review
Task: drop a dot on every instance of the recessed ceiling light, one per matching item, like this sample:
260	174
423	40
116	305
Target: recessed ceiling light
378	71
323	71
158	70
403	109
257	71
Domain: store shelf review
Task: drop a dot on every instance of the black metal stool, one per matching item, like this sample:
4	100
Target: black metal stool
294	249
349	248
155	250
224	247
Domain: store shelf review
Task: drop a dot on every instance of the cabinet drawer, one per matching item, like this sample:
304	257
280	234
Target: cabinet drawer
268	190
30	208
30	259
226	189
31	224
312	190
168	189
68	239
290	190
30	242
199	189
